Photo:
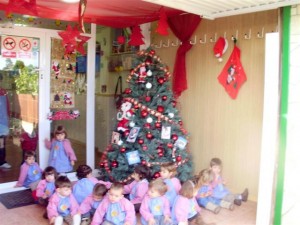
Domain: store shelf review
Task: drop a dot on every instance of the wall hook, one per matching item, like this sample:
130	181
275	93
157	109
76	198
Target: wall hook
236	35
166	45
213	39
158	46
261	35
204	40
193	42
248	36
175	44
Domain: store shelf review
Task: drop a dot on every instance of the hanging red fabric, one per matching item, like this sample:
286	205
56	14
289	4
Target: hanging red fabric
183	26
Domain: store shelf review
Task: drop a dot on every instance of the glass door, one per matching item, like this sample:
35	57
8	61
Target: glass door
20	86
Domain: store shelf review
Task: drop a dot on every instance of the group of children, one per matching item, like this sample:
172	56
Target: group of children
163	201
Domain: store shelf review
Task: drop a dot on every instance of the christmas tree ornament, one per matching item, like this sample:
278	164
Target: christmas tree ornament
147	125
148	62
160	80
128	91
160	108
148	85
144	162
149	120
120	142
148	99
140	141
171	115
158	125
161	154
123	149
145	147
121	39
149	135
174	137
149	73
220	48
233	76
178	158
144	113
170	145
159	150
114	164
132	124
164	97
126	133
101	165
174	103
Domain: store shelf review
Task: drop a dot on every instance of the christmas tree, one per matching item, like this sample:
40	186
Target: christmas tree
149	129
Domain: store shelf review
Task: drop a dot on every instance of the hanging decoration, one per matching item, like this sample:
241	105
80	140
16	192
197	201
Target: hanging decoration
162	26
72	40
233	75
136	37
63	115
81	10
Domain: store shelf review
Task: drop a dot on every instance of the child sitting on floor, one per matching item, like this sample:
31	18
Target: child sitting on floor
155	208
115	209
46	187
204	196
138	188
30	173
62	204
91	203
86	182
168	172
218	185
185	209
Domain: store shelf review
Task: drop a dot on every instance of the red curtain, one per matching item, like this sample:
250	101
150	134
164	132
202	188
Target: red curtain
183	26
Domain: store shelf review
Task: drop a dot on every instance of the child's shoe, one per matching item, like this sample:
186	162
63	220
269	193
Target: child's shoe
237	202
245	195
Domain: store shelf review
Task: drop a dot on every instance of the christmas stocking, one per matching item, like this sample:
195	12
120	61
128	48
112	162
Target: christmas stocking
233	75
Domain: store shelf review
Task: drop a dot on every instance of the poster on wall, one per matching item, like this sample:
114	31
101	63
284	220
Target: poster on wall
63	73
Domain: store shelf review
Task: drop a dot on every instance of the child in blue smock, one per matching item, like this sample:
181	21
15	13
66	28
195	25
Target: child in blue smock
62	156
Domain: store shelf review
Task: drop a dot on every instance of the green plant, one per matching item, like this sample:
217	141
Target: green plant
27	81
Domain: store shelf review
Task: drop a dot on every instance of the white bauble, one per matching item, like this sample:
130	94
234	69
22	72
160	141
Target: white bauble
149	120
120	142
148	85
149	73
171	115
131	124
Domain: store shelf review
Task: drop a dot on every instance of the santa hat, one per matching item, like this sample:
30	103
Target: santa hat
220	48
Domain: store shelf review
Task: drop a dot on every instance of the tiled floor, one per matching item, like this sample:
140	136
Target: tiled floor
32	215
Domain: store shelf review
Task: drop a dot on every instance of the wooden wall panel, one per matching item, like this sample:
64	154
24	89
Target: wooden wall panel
218	125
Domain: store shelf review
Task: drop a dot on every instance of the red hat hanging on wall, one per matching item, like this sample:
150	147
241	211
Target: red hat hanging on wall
220	48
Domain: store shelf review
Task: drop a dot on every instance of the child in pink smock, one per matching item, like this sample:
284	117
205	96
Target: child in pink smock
86	182
62	156
62	204
91	202
155	208
168	172
115	209
30	173
185	209
138	188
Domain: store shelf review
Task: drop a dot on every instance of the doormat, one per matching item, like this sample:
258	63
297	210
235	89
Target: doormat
17	199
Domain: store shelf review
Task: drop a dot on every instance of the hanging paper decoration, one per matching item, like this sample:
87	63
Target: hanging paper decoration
63	115
81	10
136	37
27	7
72	40
162	26
233	75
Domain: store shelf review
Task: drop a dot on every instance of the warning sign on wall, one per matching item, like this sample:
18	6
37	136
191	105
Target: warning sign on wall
13	46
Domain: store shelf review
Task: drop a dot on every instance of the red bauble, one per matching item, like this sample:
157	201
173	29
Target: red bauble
178	158
158	125
160	80
147	125
149	135
145	147
152	52
136	106
174	137
144	113
144	162
156	175
101	165
174	103
126	133
160	108
170	145
148	61
159	150
141	141
128	91
164	97
123	149
180	122
114	164
161	154
147	98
